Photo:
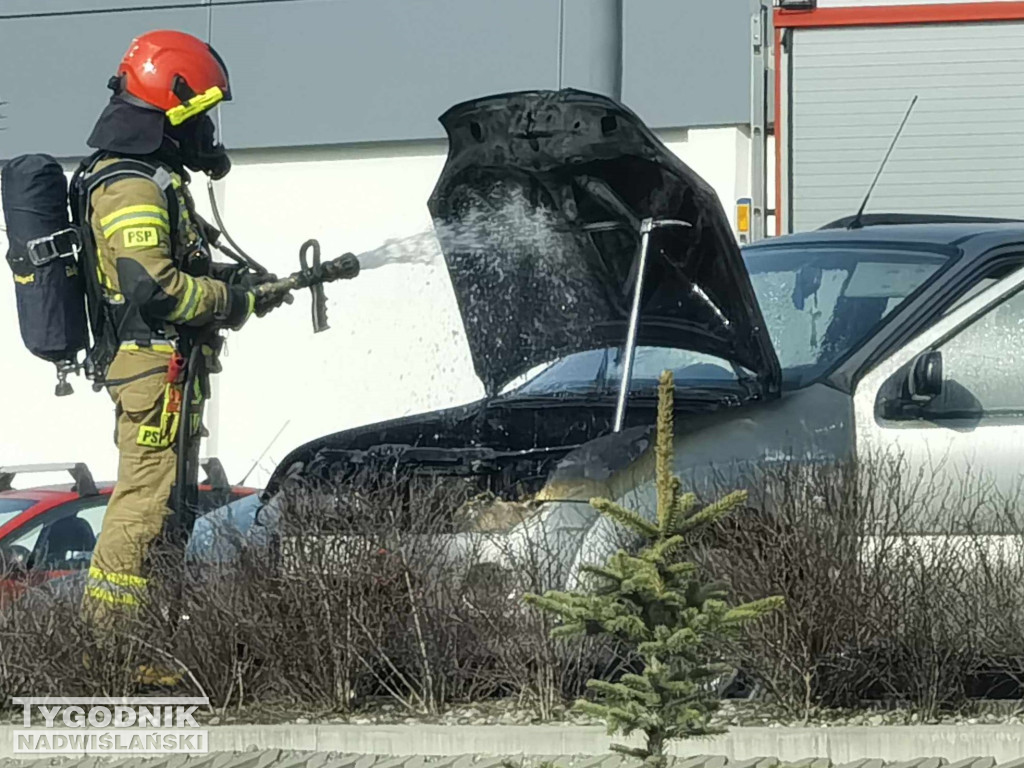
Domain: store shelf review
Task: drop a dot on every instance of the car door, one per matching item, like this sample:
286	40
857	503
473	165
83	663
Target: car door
57	543
951	424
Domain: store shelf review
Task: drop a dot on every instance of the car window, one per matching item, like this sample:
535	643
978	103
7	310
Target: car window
94	517
983	366
982	285
821	303
987	280
11	507
67	541
17	552
25	540
599	371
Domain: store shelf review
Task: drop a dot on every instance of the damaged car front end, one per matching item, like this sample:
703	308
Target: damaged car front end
548	206
585	259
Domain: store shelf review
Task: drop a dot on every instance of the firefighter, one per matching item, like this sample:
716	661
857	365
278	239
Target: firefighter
161	285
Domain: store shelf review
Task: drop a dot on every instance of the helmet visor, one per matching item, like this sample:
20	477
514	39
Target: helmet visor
227	77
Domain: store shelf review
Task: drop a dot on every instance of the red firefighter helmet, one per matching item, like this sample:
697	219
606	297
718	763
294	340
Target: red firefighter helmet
174	72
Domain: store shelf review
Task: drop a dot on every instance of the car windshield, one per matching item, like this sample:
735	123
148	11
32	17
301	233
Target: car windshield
599	372
818	303
10	507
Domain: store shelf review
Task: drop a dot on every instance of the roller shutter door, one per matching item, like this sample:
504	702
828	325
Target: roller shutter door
962	151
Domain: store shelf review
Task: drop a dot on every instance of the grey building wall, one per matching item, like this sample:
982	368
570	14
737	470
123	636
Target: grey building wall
308	72
374	70
687	62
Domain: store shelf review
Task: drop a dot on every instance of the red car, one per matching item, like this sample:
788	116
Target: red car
51	531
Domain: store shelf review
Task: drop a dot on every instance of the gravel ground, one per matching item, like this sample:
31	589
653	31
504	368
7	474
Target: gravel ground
733	714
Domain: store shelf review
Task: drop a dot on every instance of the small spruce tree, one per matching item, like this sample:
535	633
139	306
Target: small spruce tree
658	605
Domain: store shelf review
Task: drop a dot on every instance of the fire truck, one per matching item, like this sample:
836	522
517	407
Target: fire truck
832	81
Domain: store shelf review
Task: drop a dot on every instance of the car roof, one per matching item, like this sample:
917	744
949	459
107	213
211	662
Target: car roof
896	229
50	492
44	492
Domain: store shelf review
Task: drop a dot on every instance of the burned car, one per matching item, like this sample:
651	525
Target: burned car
586	258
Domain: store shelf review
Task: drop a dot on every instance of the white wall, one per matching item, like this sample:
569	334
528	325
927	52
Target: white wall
721	156
395	346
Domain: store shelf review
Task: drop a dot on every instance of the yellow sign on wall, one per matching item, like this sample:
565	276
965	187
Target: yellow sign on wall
743	215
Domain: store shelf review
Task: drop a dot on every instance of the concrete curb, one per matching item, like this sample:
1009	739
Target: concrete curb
840	745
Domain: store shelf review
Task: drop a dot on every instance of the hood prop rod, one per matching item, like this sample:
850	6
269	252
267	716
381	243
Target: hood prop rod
646	227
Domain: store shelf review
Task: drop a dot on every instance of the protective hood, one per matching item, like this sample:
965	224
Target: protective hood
127	129
538	212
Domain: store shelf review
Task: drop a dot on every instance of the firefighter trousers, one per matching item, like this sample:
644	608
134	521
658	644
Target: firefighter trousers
138	512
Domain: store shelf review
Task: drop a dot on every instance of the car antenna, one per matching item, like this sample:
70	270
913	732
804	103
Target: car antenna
260	458
856	223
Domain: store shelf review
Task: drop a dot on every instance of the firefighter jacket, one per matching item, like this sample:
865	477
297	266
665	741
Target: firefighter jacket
153	260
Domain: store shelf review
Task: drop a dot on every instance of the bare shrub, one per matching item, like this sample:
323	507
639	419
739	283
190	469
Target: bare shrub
526	662
364	591
882	604
368	592
46	649
370	588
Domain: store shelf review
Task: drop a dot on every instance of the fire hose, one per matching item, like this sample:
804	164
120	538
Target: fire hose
312	276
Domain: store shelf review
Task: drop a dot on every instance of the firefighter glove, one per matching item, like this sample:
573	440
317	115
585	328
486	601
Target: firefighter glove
241	305
265	304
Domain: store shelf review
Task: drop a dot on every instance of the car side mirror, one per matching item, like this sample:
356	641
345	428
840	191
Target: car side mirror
14	561
925	380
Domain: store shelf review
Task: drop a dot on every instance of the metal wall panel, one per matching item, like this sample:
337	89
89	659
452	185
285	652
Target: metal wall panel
54	72
326	72
687	62
10	8
962	151
591	50
344	71
864	3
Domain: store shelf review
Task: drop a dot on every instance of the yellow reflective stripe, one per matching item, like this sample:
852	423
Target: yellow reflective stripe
134	347
154	209
105	281
24	280
136	220
188	307
197	104
118	579
186	300
98	593
195	310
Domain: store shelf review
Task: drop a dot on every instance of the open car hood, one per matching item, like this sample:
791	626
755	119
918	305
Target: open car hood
538	212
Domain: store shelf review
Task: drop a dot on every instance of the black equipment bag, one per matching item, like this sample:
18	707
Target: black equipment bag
43	254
